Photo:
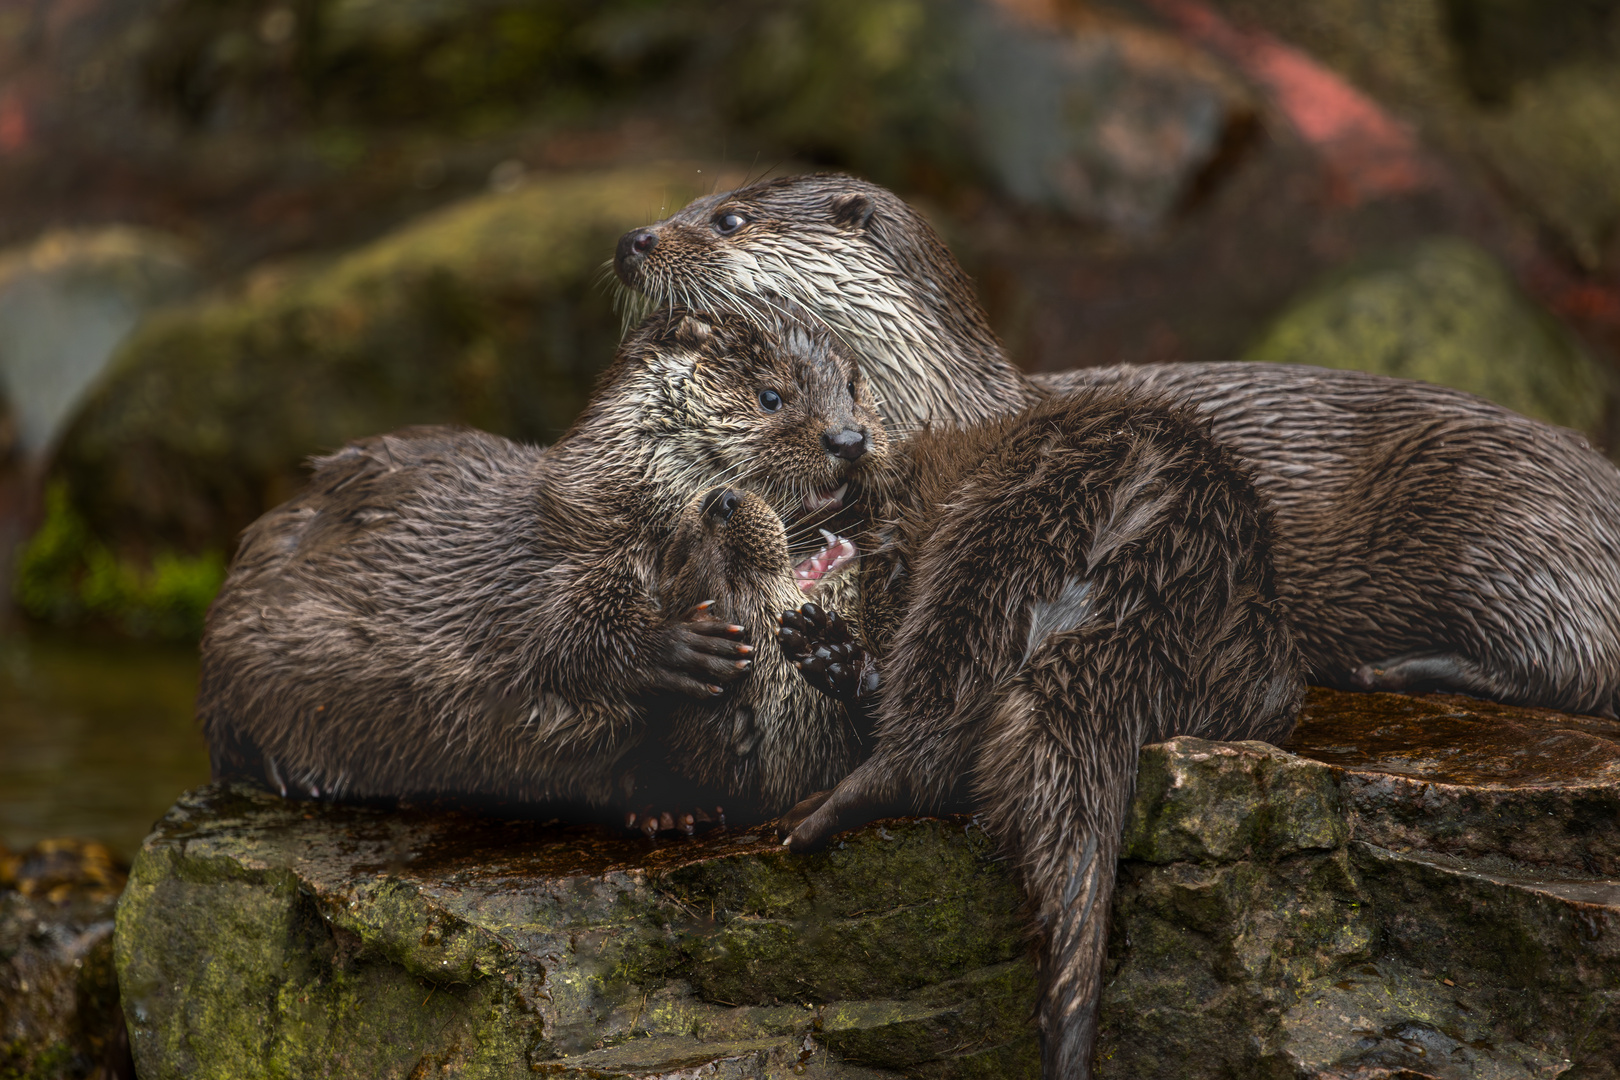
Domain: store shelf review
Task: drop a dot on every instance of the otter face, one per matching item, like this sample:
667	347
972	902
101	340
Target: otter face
778	409
726	542
824	242
855	258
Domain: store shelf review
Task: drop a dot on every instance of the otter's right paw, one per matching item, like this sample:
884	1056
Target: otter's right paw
822	646
699	654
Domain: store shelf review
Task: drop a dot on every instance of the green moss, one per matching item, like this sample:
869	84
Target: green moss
67	577
487	313
1204	801
1445	313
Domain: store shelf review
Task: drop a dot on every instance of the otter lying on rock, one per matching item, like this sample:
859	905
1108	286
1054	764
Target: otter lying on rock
1051	591
445	612
1424	538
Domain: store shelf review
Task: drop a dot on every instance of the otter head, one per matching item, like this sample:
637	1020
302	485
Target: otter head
778	408
854	257
728	546
770	737
795	238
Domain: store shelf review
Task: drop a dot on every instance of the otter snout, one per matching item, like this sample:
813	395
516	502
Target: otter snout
850	443
720	504
633	247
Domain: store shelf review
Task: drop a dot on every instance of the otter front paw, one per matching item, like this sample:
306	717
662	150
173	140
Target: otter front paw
699	654
822	646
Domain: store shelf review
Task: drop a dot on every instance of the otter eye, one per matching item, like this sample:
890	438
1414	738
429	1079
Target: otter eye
770	400
729	222
852	389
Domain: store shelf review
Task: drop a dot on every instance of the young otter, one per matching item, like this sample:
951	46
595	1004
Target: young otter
1424	538
767	742
444	611
1055	590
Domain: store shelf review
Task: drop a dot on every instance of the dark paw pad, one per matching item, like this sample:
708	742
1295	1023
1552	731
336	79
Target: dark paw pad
822	645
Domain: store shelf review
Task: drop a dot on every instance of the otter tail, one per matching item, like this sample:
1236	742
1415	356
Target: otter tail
1056	773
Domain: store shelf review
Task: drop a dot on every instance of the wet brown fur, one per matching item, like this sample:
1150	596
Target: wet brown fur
1424	538
444	611
1058	589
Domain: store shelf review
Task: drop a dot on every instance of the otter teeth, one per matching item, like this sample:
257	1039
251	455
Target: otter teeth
838	554
829	500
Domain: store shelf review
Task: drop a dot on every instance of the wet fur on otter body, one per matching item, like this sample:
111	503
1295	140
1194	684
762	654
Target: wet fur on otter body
1425	538
444	611
1056	590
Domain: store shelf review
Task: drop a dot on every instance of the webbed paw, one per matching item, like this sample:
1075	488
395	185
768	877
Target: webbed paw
699	654
822	645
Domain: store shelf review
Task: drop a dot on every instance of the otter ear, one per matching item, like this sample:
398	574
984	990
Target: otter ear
692	331
852	211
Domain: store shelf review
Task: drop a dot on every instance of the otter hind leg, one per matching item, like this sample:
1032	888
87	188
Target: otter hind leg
1055	777
1446	672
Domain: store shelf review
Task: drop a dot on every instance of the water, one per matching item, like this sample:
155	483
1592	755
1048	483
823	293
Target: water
96	740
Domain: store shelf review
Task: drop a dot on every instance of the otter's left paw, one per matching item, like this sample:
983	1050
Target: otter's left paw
822	646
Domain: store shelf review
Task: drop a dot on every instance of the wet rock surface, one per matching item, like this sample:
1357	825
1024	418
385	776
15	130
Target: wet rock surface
1425	887
1418	887
261	937
59	1012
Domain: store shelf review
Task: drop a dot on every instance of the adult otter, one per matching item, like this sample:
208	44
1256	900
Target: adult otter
1424	538
443	611
1054	590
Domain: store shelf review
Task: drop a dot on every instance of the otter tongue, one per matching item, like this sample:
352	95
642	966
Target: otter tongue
837	554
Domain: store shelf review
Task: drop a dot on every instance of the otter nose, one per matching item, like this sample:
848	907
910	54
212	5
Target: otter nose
848	444
633	245
720	504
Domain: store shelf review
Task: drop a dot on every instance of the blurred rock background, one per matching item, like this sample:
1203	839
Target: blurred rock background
239	233
236	233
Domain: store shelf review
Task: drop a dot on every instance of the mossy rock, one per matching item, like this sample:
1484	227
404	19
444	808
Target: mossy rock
1279	914
59	1010
260	937
1446	313
1422	888
488	313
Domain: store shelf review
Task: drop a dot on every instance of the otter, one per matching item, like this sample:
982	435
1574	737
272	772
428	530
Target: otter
767	742
443	611
1423	538
1045	594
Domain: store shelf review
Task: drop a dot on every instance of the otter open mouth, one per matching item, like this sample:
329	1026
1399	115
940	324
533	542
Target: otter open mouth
826	502
837	554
